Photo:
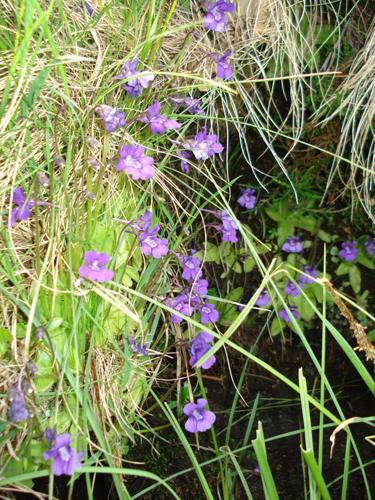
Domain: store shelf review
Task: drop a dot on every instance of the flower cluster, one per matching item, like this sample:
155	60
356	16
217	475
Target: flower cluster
193	298
216	18
65	460
136	81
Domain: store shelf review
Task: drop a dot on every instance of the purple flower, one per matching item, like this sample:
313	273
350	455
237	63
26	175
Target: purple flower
137	348
152	245
263	299
17	409
180	304
292	290
22	210
198	347
65	459
112	118
200	287
228	228
143	222
348	251
208	313
185	155
191	267
284	315
292	244
134	86
248	198
50	436
191	104
215	19
307	280
370	246
135	163
158	123
200	419
224	69
204	145
94	267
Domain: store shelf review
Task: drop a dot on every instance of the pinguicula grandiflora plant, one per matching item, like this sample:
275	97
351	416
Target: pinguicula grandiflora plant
117	203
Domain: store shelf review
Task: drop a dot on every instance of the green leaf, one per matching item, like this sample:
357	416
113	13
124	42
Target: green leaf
365	261
324	236
355	278
248	264
343	268
284	229
371	335
276	327
306	222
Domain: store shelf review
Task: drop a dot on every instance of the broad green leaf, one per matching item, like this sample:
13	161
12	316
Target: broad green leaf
343	268
324	236
248	264
365	261
355	278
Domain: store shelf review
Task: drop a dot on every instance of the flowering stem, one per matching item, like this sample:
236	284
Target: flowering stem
214	440
99	180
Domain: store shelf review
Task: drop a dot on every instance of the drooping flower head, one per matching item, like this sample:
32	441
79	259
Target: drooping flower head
65	459
199	419
112	118
349	251
292	244
224	69
229	228
137	347
307	280
94	267
152	245
216	18
292	290
191	104
22	209
284	315
370	246
159	124
185	155
204	145
248	198
198	347
136	81
191	266
209	313
135	163
18	411
263	299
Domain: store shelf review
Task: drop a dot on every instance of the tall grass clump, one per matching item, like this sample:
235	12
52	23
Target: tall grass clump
127	130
